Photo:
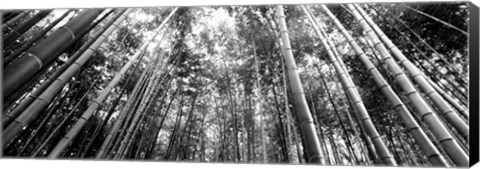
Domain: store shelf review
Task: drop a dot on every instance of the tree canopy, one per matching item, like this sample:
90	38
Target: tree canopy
337	84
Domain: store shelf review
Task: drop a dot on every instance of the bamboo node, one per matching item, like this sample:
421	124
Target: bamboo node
412	128
397	105
426	114
416	75
398	75
69	31
365	119
35	58
391	47
411	92
369	31
377	43
376	137
431	92
358	101
382	86
445	139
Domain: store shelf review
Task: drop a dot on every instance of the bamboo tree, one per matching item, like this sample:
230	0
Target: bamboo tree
147	104
24	27
282	134
187	123
164	114
9	15
305	118
462	110
112	106
109	113
258	104
176	126
7	119
233	111
112	134
380	146
250	127
104	94
34	109
447	64
456	86
416	75
50	113
285	96
139	114
42	54
29	84
336	112
436	68
62	123
287	113
131	111
438	20
430	118
15	19
34	39
414	128
422	40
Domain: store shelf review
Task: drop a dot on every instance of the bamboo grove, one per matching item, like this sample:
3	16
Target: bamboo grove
340	84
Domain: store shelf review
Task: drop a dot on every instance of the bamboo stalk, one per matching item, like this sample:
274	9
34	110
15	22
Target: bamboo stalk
449	66
438	20
440	131
108	141
34	109
59	126
312	142
416	75
419	135
140	112
42	54
24	27
15	19
35	39
106	91
383	152
45	84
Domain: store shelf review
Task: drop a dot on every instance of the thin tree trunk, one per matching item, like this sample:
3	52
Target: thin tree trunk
34	109
21	29
52	77
258	104
440	131
139	113
287	112
438	20
23	68
412	126
62	123
380	146
13	20
30	42
442	105
305	118
109	140
447	64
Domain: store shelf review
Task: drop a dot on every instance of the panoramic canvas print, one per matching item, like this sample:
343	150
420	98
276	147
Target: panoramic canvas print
329	84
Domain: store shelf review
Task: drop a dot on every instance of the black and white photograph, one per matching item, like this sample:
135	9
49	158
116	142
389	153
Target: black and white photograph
327	84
